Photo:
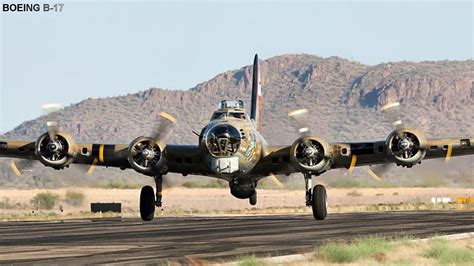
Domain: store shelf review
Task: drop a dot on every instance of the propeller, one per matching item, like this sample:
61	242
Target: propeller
52	126
52	118
20	166
311	153
145	153
300	116
165	124
392	112
276	181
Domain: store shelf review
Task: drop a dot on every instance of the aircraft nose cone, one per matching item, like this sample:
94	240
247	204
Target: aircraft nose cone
147	154
404	144
53	146
309	152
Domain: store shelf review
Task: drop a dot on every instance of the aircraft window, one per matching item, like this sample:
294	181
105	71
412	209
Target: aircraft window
217	115
238	115
223	140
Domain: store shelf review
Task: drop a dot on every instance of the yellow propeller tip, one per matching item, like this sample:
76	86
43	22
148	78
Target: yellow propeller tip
276	181
297	112
15	168
390	105
374	175
168	117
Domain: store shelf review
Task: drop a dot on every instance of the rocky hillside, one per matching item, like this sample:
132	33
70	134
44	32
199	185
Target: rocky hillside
343	97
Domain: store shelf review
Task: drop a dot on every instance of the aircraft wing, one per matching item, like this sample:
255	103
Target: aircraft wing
184	159
277	159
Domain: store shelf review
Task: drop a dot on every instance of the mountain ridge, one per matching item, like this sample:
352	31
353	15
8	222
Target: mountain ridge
343	97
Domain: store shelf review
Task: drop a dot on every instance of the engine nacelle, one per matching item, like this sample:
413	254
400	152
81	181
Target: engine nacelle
146	156
406	147
58	152
311	155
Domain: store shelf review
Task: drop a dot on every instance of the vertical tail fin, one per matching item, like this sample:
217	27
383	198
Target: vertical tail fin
256	108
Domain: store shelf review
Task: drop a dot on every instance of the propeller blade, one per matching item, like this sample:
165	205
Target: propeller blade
52	124
20	166
164	126
53	128
276	181
91	167
374	175
15	168
377	171
301	118
449	152
393	114
353	163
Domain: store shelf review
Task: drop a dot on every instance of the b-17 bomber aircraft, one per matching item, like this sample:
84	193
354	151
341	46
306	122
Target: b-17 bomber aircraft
231	147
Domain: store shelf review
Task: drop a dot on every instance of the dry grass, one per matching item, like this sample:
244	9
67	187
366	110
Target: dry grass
372	250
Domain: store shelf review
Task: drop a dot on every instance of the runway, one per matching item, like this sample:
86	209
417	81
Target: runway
213	239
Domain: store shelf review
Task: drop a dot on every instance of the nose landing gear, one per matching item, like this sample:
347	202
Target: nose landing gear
316	198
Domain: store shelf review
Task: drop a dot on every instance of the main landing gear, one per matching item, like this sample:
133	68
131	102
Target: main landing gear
316	198
149	200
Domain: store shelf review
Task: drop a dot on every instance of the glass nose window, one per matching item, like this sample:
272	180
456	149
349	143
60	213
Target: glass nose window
223	140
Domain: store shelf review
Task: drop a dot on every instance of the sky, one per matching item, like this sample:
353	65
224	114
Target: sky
97	49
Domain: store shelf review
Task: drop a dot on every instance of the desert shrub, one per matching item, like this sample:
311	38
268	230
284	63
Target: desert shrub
210	184
120	184
248	260
74	198
44	200
357	249
192	184
441	250
354	193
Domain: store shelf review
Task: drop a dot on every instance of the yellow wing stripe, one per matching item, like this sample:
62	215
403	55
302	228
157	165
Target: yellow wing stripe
101	153
353	163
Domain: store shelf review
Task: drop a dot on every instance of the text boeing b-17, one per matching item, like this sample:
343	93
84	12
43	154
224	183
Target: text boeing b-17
231	147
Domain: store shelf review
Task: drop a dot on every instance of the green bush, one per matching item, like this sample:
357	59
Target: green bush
359	248
44	200
74	198
192	184
441	250
248	260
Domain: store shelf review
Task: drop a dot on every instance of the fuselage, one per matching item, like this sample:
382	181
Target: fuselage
230	143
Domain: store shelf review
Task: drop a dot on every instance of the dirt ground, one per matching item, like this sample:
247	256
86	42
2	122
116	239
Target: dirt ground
220	200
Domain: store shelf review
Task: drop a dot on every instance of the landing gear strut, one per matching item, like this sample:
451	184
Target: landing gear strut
308	185
149	200
159	188
316	198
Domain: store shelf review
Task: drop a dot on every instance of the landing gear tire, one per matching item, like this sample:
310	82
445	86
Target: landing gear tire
253	199
319	202
147	203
